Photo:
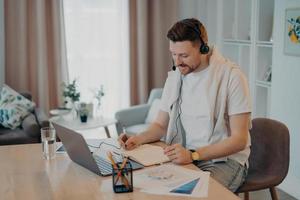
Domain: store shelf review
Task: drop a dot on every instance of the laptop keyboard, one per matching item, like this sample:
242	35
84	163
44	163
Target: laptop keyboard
106	168
103	165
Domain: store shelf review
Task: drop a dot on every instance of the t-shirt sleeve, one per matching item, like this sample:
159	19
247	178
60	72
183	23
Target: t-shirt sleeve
239	100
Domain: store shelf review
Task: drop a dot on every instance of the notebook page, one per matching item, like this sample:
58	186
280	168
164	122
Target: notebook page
147	155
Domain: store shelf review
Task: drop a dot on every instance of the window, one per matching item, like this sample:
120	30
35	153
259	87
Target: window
98	50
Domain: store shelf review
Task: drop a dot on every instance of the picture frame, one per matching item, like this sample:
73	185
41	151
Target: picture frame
292	32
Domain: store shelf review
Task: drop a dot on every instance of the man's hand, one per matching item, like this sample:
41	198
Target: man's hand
129	142
178	154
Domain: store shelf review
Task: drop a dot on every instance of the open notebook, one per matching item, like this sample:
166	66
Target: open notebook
145	154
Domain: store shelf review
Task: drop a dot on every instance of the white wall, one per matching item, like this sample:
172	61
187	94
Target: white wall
285	94
1	43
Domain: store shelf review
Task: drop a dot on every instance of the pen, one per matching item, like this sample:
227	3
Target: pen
110	157
125	181
123	178
121	168
124	130
124	163
124	138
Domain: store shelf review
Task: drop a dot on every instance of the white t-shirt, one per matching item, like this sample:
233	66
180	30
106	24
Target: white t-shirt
196	112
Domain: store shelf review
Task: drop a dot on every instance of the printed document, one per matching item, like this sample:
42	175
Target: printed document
170	179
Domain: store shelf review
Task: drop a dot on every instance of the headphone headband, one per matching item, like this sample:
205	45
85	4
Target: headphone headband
204	48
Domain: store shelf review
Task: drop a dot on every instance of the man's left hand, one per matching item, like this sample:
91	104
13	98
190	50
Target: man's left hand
178	154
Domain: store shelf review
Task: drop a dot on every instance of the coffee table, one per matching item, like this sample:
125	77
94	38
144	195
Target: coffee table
76	124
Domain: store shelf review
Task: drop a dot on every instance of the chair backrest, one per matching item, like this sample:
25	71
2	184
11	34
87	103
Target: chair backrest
137	114
270	145
155	94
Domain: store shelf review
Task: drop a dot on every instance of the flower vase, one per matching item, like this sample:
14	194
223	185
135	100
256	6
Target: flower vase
74	112
98	113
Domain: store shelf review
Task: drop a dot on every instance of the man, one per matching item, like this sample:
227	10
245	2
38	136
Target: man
205	109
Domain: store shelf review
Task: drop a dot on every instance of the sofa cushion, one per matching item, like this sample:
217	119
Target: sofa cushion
13	108
30	126
153	111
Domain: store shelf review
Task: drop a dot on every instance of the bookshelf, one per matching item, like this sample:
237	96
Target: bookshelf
246	39
264	11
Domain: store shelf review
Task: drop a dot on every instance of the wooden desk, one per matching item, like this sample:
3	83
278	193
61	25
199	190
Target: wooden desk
24	174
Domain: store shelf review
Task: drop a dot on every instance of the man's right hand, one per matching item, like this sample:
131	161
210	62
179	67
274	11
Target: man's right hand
129	142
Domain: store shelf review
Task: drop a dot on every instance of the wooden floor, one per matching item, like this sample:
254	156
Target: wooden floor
265	195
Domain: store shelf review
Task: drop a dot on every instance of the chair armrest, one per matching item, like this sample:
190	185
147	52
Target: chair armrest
41	117
131	116
30	126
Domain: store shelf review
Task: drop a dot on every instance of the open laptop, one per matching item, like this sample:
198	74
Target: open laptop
79	152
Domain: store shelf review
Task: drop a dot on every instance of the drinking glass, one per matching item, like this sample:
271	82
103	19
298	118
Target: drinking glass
48	142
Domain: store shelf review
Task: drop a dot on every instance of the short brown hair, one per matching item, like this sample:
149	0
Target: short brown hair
187	30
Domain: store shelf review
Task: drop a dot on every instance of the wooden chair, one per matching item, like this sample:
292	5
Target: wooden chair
269	158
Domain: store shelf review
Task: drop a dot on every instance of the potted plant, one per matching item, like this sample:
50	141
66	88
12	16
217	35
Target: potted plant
71	96
71	93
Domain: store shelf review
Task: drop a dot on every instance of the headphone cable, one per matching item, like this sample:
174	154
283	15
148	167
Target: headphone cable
179	102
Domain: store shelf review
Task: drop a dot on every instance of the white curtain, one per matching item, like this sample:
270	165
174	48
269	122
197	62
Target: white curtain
98	50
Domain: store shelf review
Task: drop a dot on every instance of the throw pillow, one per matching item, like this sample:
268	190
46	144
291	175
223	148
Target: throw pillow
153	111
13	108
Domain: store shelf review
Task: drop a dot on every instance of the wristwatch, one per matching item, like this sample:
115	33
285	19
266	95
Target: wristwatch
195	155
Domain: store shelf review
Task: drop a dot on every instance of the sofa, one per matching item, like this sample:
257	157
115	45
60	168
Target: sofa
29	131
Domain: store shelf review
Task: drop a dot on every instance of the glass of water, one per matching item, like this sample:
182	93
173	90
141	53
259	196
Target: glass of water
48	142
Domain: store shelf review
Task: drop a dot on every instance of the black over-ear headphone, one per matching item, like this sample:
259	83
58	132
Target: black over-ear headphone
204	48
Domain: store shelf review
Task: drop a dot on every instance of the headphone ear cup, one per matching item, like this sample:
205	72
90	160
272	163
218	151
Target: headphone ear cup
204	48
